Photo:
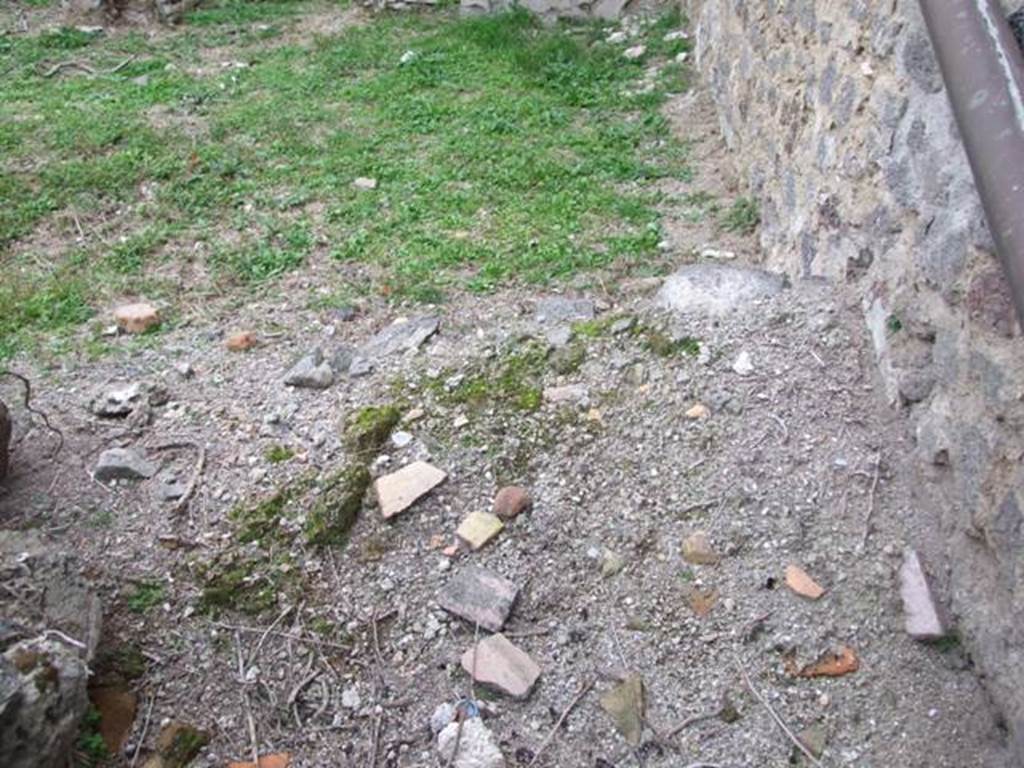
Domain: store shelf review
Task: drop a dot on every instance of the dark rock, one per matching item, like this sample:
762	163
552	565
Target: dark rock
123	464
311	372
480	597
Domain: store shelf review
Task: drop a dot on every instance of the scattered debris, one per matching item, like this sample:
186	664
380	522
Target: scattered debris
842	661
743	365
625	704
798	580
478	528
123	464
400	490
698	411
241	341
501	665
511	501
136	318
923	617
480	597
697	549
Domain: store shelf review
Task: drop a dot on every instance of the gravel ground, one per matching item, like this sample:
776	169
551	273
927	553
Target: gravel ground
353	655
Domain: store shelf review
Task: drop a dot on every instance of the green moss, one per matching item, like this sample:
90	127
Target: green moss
145	595
512	381
245	582
278	454
337	506
262	520
592	329
91	749
370	428
663	345
568	359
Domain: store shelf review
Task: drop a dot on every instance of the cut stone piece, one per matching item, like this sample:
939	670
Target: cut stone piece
480	597
400	490
923	617
717	289
798	580
241	341
625	704
136	318
479	528
499	664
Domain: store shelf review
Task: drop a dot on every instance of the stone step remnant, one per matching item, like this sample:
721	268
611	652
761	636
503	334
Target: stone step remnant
717	289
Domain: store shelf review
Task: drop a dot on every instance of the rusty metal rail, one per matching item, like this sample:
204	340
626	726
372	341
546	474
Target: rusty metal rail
983	68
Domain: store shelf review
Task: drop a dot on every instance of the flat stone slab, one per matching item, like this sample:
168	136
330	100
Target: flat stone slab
480	597
497	663
400	490
922	615
479	528
123	464
402	336
717	289
558	309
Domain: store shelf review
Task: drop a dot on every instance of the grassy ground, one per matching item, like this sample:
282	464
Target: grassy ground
217	156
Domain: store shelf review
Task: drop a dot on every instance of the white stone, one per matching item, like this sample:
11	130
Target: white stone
922	615
635	52
743	365
477	746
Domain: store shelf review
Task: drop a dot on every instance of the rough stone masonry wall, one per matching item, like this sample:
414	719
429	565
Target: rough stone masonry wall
839	120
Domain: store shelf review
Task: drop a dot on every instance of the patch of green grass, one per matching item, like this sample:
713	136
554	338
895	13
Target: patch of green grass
512	380
504	151
90	748
145	595
278	454
893	324
742	217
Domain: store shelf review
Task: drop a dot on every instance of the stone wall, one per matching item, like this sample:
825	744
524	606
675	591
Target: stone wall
840	124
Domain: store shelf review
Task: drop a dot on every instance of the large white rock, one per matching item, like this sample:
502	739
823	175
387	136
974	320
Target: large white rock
717	289
477	748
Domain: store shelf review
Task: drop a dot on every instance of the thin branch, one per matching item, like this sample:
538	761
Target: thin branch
775	715
565	713
871	501
193	482
28	407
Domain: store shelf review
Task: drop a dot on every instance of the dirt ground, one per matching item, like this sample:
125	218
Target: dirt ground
797	461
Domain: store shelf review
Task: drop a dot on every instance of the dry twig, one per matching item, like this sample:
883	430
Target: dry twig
145	729
35	412
565	713
871	501
775	716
